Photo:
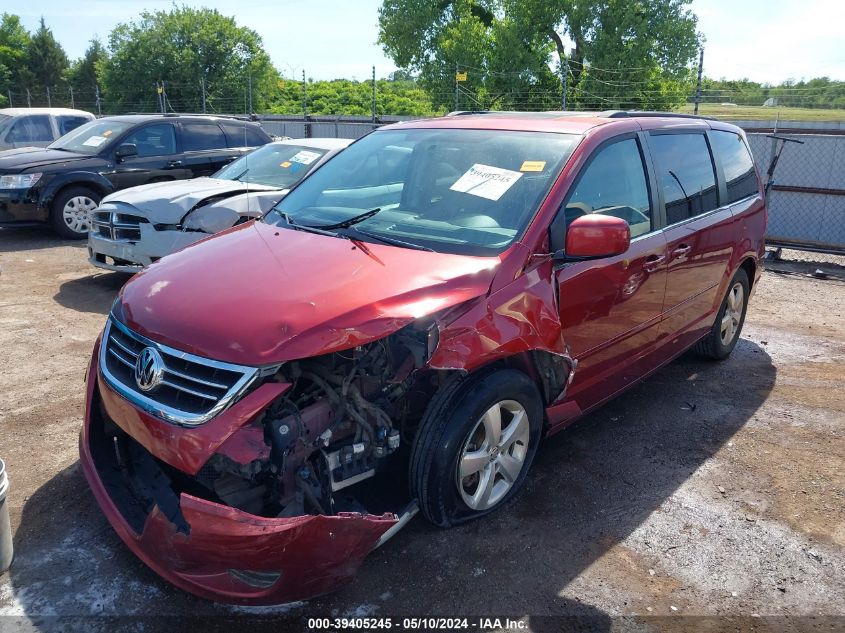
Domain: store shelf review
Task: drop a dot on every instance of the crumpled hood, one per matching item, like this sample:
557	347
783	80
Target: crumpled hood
259	294
16	160
168	202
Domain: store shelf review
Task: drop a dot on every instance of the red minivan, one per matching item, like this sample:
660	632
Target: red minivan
268	406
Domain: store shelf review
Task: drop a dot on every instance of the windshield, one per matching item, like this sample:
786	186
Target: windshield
91	138
275	164
468	192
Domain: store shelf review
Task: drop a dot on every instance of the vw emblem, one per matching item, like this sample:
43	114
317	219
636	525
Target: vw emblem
149	369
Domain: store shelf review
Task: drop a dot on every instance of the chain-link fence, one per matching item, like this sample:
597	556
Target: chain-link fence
807	201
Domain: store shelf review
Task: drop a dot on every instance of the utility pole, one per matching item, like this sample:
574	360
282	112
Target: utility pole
374	94
304	96
72	104
250	93
457	69
698	85
28	99
10	98
564	69
97	99
49	104
163	99
202	87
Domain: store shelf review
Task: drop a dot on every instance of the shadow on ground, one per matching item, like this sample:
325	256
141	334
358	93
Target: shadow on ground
94	293
590	488
30	238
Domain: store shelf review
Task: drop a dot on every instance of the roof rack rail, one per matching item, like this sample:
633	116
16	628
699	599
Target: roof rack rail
237	117
624	114
603	114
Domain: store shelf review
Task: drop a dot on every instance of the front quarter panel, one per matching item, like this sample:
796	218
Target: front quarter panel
59	181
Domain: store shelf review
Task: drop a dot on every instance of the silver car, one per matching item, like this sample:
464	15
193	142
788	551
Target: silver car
135	227
37	127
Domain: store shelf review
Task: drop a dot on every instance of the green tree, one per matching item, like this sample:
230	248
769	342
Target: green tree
83	74
344	97
626	54
14	42
182	48
46	60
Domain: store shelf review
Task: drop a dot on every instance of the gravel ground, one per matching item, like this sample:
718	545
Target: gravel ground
708	490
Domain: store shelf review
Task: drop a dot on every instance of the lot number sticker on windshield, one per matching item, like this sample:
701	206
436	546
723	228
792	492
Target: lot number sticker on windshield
486	181
95	141
305	157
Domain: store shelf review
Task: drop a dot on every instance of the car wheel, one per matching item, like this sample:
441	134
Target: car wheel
724	334
71	211
475	445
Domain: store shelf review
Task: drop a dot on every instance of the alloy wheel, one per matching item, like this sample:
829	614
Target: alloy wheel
493	455
733	314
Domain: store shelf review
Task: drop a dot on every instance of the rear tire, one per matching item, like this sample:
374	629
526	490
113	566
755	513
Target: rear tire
475	445
724	334
71	210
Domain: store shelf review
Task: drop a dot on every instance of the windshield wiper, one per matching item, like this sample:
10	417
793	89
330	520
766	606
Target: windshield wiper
392	240
307	227
345	224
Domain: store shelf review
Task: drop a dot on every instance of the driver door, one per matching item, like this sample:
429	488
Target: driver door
156	159
610	308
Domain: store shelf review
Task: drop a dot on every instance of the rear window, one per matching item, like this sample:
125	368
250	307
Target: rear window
685	174
202	136
69	122
244	135
737	163
31	128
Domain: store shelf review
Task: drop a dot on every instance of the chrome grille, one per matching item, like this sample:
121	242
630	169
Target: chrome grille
192	389
118	227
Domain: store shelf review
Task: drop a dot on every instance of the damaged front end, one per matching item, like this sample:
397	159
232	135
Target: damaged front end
129	235
280	495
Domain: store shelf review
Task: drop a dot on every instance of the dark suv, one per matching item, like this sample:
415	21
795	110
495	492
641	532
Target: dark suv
62	183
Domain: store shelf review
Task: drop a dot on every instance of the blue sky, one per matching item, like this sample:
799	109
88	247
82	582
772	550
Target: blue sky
764	40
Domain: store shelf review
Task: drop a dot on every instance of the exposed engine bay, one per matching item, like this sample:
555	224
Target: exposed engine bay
335	441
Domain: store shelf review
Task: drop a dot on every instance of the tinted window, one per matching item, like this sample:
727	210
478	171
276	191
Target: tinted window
243	135
68	123
737	164
154	140
202	136
31	128
614	183
685	173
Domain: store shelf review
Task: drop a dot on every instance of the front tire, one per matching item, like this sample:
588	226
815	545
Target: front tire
71	211
724	334
475	446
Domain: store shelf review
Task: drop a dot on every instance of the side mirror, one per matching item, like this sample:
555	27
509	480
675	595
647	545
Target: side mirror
595	235
126	150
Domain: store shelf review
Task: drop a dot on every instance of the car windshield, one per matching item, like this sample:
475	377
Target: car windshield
277	165
461	191
91	138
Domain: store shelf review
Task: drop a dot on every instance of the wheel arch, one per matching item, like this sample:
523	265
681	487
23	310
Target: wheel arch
749	265
62	183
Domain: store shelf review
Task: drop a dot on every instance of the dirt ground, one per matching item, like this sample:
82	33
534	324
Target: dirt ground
710	489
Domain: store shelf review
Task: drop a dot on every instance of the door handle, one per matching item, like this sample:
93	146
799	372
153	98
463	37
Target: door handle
682	250
653	262
174	163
